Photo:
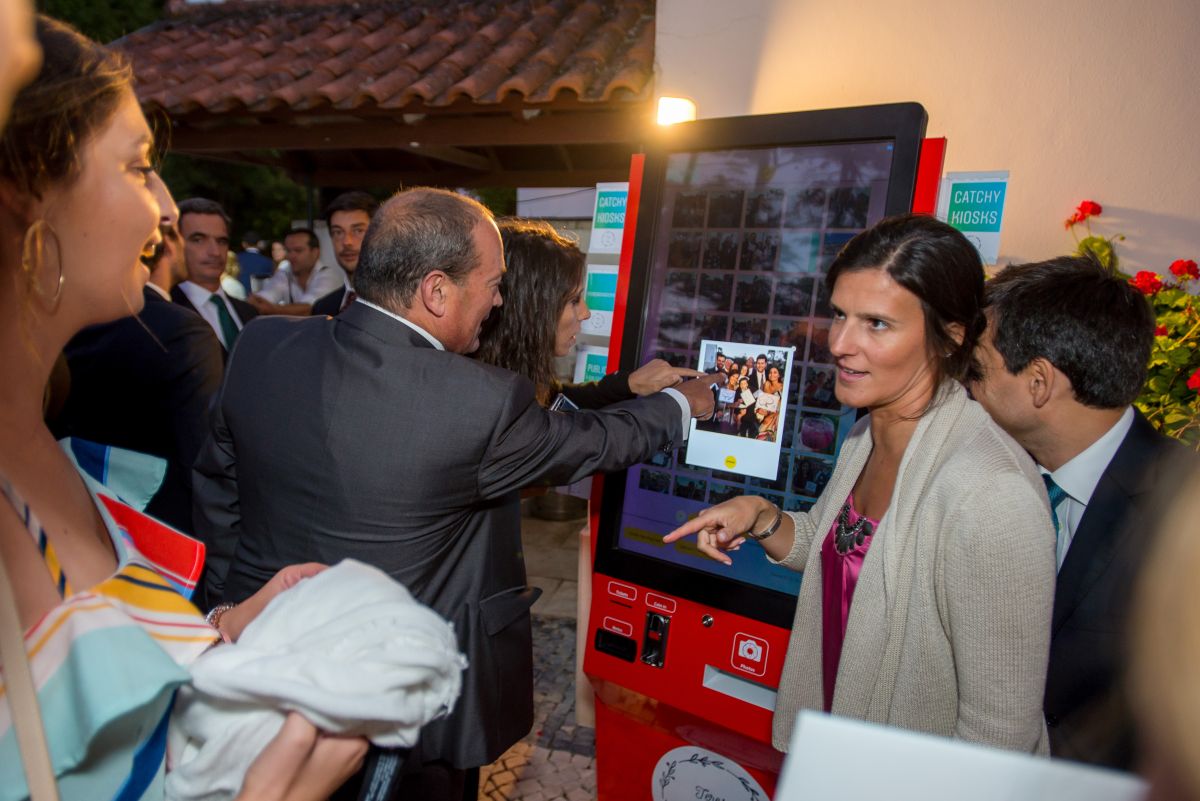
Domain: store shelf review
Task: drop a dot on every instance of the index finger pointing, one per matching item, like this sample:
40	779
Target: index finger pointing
693	526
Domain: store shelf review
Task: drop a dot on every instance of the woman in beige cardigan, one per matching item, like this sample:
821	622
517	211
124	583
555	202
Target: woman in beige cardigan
929	557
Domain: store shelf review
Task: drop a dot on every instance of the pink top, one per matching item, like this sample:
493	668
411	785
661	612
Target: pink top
839	577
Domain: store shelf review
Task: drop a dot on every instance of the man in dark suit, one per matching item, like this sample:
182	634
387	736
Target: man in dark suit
145	383
370	436
1063	358
348	217
758	376
204	226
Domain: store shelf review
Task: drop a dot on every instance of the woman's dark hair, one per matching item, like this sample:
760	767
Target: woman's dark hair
76	91
941	267
544	270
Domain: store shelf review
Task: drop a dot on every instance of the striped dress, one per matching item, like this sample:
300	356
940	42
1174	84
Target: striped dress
108	659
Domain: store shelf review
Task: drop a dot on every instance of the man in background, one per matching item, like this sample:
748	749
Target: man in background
294	287
347	217
253	267
145	383
1063	358
204	226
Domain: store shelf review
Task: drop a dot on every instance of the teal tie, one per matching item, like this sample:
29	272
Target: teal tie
229	329
1056	494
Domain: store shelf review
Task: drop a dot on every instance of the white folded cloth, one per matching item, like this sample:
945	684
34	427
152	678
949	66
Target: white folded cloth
348	648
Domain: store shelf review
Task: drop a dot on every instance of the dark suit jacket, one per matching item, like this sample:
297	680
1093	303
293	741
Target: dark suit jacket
613	388
1086	712
245	311
145	383
329	305
354	437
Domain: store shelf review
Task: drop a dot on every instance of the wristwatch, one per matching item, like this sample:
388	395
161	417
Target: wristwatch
769	530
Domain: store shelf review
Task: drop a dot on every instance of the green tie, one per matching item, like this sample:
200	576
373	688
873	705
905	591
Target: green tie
229	329
1056	494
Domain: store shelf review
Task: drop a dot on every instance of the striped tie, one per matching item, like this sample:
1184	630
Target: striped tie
1056	494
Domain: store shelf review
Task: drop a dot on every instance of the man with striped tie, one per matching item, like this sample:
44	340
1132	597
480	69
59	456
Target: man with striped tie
204	226
1063	358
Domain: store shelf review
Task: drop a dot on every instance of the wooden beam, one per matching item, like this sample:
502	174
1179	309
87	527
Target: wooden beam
563	128
450	155
386	179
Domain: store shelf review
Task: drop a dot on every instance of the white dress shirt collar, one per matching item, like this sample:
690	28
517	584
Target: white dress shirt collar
432	339
1079	478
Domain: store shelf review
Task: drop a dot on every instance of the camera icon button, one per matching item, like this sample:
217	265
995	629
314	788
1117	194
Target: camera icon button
749	654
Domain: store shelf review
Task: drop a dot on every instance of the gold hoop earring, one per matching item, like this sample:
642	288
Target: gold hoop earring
32	251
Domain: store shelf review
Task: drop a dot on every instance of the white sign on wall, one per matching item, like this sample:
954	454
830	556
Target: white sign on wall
608	218
973	202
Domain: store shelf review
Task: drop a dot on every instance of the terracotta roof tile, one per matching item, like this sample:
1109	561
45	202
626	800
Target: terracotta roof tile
304	55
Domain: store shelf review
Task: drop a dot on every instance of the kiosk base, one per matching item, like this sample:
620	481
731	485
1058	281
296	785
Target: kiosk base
634	733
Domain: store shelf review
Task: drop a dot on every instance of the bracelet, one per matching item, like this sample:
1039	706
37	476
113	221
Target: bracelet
769	530
213	618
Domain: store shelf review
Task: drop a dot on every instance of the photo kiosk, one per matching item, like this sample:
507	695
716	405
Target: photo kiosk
737	221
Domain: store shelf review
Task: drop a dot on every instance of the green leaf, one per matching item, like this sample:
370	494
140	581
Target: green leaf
1101	248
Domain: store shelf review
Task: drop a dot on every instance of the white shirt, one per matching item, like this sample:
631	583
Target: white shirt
283	287
199	296
685	409
1079	478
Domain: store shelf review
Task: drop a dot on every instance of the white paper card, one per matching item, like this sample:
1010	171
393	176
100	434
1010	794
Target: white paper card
741	437
902	765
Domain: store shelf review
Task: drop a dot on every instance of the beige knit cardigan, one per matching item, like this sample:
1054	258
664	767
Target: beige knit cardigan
949	630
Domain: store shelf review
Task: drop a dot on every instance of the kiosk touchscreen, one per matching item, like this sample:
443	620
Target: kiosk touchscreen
737	223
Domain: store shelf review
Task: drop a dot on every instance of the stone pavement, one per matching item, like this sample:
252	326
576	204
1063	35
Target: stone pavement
556	759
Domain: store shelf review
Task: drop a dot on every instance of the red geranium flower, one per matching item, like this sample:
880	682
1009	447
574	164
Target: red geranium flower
1146	282
1086	209
1160	331
1194	382
1185	268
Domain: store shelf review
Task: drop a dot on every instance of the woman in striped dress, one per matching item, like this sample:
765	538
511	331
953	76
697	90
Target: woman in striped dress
107	632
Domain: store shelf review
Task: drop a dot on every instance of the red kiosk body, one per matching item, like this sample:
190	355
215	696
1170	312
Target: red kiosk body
729	226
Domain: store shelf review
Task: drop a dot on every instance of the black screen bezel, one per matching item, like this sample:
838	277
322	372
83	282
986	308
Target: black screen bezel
901	123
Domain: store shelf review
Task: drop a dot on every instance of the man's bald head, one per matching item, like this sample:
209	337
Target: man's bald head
415	232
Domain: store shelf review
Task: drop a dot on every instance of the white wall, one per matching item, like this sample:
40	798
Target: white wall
1096	100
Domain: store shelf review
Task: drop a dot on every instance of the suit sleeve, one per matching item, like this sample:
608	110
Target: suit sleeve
998	573
197	379
216	515
613	388
530	444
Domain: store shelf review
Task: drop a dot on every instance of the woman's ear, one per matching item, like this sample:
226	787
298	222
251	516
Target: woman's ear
17	204
957	332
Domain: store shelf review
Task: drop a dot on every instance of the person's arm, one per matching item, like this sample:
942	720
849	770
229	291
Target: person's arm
722	528
997	595
216	512
653	376
529	444
294	309
613	388
194	380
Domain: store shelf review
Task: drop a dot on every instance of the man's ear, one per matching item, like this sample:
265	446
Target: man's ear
1044	380
432	292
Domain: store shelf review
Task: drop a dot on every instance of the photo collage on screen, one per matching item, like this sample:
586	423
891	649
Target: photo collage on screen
746	264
